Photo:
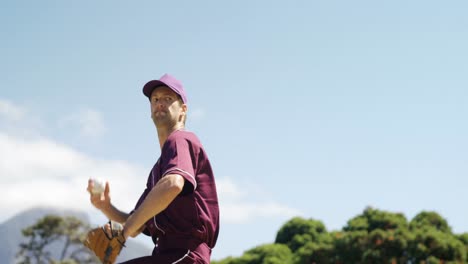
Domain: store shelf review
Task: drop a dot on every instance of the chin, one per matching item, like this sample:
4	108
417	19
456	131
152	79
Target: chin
162	122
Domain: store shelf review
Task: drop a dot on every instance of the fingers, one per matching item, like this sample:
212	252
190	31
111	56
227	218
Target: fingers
108	230
106	189
90	186
99	200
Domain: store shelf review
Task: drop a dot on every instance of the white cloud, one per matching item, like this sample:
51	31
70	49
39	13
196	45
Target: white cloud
228	188
18	120
88	122
41	172
243	206
11	111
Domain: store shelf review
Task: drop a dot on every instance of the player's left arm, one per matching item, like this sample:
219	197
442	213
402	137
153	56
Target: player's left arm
158	199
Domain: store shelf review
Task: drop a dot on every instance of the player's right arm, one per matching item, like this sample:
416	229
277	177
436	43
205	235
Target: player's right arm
102	202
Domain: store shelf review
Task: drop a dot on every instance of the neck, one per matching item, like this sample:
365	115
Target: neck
163	133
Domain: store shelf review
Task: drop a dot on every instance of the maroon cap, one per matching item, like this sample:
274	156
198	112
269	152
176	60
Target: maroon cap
169	81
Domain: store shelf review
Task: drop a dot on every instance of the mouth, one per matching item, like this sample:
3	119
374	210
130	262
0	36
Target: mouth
159	113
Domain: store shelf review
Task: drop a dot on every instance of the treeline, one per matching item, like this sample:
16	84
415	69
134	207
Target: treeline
56	240
374	236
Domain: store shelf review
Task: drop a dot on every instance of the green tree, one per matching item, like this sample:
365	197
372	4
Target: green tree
267	254
228	260
315	253
264	254
350	246
68	231
464	239
433	239
387	246
299	231
427	219
372	219
431	242
375	236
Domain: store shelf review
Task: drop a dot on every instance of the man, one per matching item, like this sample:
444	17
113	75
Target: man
179	208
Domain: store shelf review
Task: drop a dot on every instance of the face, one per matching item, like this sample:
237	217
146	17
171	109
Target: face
167	110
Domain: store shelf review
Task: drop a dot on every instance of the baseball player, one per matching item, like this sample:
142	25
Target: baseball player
179	207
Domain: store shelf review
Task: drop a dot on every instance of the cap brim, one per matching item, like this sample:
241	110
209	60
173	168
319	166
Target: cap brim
150	86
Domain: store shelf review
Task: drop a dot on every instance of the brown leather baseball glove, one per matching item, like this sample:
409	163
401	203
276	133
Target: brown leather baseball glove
106	246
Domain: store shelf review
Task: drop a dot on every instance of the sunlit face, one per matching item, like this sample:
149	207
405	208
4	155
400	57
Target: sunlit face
166	107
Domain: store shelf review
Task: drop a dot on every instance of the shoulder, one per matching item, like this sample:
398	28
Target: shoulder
180	139
183	135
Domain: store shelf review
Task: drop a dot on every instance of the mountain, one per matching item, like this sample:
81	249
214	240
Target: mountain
11	236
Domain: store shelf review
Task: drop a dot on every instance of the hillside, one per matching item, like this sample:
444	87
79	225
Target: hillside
11	237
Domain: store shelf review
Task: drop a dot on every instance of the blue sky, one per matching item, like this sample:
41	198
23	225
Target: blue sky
309	108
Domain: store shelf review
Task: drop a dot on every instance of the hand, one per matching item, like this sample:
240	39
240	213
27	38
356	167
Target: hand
111	231
106	242
101	201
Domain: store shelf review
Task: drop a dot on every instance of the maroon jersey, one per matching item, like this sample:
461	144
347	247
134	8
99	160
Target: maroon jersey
191	221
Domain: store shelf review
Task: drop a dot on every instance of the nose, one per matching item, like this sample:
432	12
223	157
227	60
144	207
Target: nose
158	104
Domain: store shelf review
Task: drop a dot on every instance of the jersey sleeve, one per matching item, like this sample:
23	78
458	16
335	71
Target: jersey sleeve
178	158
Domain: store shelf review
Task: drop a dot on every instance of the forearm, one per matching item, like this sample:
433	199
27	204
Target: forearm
115	214
162	194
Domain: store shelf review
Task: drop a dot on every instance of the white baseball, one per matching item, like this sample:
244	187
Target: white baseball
98	186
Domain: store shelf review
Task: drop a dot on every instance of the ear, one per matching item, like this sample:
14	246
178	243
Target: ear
183	115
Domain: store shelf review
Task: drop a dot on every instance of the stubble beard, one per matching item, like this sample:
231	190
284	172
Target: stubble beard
163	122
